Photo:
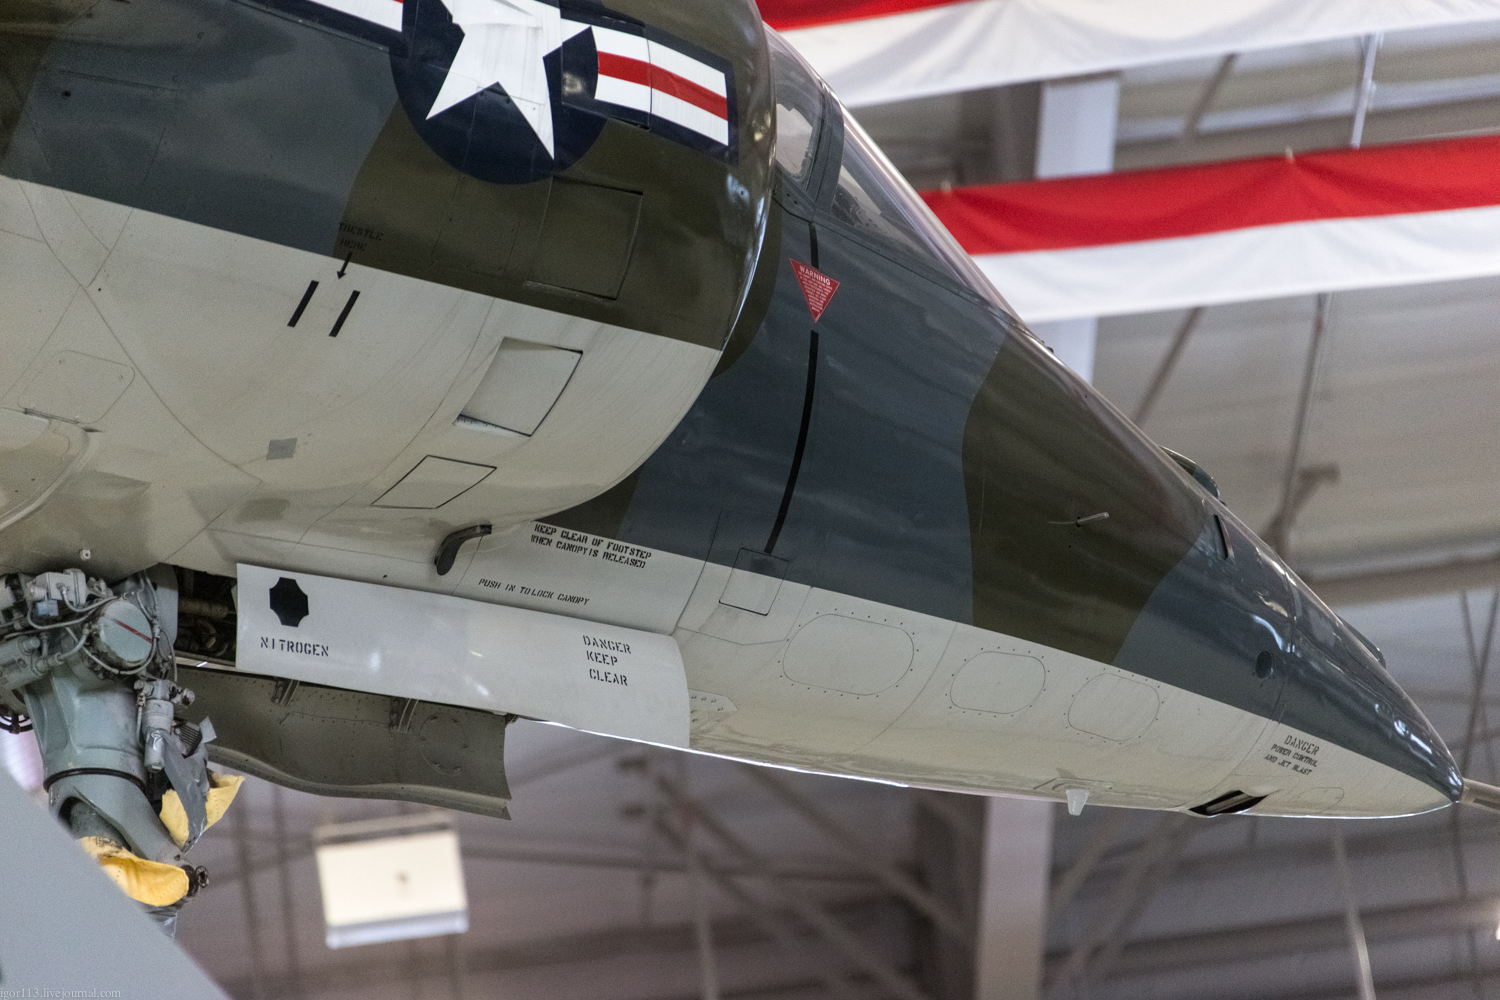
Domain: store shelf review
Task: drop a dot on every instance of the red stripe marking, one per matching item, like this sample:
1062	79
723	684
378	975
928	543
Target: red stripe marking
686	90
647	75
784	15
1107	209
625	68
130	630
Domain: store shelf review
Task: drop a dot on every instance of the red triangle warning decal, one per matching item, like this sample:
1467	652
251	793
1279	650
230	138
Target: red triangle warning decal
817	288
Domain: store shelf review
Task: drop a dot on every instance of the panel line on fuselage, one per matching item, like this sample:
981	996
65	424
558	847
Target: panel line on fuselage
801	449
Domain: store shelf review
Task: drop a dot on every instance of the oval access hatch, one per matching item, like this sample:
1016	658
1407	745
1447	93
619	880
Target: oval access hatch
1113	707
998	682
848	654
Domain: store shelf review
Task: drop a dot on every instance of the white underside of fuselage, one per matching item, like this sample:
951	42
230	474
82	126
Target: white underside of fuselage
149	371
834	683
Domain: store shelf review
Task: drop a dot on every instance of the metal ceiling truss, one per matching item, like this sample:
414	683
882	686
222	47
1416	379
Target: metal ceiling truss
1097	948
864	856
1280	938
808	910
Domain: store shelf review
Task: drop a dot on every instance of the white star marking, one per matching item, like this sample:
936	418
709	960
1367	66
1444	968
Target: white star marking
505	42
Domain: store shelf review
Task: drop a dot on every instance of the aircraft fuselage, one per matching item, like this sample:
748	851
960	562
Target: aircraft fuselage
266	299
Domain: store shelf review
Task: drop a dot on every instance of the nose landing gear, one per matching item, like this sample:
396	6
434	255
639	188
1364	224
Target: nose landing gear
91	668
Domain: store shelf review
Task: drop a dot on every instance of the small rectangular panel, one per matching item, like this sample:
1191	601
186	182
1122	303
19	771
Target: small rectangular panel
587	238
521	385
479	229
754	582
433	482
450	651
392	888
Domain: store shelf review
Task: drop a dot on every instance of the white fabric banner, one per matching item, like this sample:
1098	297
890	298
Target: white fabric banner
1262	262
986	43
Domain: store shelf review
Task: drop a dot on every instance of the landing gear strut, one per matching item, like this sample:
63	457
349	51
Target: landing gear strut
90	667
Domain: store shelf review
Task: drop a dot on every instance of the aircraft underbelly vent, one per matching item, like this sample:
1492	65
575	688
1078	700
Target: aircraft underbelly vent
520	387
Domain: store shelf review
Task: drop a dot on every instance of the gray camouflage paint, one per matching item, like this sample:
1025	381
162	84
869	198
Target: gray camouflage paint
946	458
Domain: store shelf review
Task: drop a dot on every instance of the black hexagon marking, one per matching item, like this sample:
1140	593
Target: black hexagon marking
288	602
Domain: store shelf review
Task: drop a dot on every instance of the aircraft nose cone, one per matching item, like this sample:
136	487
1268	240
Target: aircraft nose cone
1345	685
1233	623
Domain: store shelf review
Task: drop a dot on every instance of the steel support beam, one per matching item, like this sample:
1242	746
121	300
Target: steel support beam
948	865
574	859
1366	92
1479	662
1357	943
703	935
1430	985
288	910
453	958
247	897
1180	834
1076	127
1168	365
1278	531
942	804
866	857
1105	833
808	910
1482	830
1447	577
1123	904
1308	935
1013	899
766	919
1079	118
1205	100
381	967
1479	665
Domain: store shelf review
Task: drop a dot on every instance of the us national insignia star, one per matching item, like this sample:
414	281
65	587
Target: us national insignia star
505	42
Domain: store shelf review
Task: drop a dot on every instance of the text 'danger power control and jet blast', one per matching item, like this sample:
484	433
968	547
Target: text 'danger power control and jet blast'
406	368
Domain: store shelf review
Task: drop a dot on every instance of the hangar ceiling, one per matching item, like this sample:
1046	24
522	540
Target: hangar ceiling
1431	83
1403	408
586	892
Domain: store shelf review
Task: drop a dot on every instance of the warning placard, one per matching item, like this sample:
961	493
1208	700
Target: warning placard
817	288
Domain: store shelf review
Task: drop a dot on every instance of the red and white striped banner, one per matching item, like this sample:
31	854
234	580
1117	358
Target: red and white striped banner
872	51
1232	232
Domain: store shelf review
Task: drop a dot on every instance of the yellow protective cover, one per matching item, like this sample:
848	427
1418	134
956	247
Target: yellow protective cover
149	882
222	789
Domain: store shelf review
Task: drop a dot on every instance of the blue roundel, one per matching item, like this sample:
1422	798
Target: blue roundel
485	135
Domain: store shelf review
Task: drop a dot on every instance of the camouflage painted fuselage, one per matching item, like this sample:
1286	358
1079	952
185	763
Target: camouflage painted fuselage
877	535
